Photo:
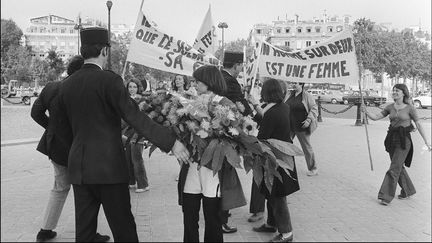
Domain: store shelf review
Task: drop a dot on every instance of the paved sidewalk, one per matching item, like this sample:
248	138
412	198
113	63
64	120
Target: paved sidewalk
340	204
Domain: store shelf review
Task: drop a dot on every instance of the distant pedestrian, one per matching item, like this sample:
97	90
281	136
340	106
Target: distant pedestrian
398	143
304	112
134	149
57	150
276	124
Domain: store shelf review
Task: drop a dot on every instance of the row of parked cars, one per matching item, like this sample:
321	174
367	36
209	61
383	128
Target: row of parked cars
347	97
370	98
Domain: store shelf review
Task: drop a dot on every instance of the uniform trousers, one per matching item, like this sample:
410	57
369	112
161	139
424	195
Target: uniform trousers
115	199
397	174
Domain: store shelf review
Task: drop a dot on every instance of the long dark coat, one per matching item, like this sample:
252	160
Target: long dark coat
95	101
234	92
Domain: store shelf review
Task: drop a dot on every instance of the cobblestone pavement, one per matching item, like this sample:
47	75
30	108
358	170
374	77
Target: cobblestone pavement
340	204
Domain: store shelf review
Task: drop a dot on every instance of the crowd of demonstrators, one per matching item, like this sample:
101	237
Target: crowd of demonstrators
57	150
101	170
398	143
304	113
134	146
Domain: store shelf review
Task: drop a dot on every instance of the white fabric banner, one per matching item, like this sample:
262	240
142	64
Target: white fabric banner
153	48
207	40
331	61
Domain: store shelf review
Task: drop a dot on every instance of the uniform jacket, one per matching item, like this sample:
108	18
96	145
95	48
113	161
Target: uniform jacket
51	143
95	101
276	124
234	92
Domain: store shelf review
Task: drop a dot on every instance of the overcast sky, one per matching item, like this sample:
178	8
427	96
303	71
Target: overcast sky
182	18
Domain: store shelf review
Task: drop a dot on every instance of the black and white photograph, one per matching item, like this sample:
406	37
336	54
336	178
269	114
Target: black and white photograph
216	120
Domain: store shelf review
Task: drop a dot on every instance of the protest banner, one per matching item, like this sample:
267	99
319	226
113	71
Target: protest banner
331	61
153	48
206	40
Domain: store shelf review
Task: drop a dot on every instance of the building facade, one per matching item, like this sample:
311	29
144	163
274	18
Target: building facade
54	32
297	34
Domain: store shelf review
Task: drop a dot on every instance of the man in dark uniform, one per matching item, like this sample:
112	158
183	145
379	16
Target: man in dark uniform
232	66
57	151
94	102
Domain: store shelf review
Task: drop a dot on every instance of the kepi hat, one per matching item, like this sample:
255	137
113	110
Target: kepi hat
233	57
94	35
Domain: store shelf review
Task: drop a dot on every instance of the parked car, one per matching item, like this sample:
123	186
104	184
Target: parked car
332	96
423	101
369	98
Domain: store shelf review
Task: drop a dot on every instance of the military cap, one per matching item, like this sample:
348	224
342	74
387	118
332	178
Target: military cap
94	35
233	57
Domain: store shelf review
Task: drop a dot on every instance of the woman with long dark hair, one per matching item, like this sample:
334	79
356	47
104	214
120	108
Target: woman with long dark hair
398	143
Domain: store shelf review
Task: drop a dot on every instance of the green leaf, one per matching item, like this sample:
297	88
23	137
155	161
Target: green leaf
218	157
248	162
251	143
286	164
232	156
285	147
257	173
208	152
268	181
152	149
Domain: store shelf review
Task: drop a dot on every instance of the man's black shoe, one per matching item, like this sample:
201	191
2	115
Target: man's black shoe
227	229
44	235
101	238
264	228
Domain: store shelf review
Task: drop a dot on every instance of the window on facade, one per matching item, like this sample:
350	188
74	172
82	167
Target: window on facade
287	43
330	29
258	31
316	42
308	43
278	30
41	55
339	28
299	30
63	30
42	30
309	30
54	30
287	30
71	31
317	29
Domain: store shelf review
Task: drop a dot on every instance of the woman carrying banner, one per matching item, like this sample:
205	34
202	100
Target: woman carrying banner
304	112
398	143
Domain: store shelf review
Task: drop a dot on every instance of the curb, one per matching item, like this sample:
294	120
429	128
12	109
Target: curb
19	142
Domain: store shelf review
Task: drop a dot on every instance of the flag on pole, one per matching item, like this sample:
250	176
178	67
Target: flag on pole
153	48
207	40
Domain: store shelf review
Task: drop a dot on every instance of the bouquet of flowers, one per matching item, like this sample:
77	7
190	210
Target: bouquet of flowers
216	132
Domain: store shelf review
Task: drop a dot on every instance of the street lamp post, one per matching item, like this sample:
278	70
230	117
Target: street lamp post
109	5
78	27
223	26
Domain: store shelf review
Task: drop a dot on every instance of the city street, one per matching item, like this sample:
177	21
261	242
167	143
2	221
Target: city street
340	204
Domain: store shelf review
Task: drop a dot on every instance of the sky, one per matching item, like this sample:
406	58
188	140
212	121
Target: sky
183	18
